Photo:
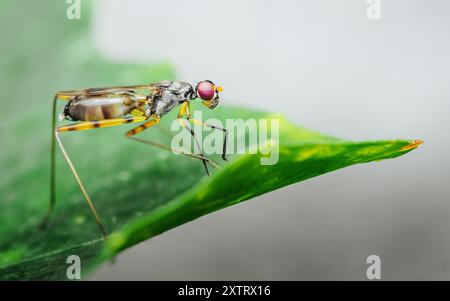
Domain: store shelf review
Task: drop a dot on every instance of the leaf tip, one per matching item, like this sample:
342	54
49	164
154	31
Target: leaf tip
412	144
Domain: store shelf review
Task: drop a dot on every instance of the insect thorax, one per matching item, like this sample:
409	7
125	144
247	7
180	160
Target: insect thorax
172	94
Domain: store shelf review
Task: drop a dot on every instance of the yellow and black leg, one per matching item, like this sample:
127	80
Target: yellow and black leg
225	134
185	109
188	128
87	125
149	124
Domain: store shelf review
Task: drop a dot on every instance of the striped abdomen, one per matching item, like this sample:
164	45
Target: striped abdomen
89	108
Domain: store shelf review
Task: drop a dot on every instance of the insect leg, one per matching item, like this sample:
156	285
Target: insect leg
143	126
52	203
188	128
149	124
79	127
225	133
156	120
162	146
185	109
80	183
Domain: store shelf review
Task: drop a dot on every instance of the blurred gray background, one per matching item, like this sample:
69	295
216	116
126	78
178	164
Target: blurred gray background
328	67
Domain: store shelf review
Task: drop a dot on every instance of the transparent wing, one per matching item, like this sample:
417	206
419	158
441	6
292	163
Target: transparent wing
105	91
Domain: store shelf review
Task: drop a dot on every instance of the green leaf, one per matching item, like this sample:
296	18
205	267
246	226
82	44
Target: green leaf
138	190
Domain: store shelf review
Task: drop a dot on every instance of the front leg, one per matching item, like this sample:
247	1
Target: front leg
198	122
185	110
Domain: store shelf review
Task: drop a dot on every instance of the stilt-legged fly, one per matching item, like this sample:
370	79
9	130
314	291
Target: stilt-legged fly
104	107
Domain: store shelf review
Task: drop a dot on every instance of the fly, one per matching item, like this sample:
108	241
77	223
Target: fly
146	104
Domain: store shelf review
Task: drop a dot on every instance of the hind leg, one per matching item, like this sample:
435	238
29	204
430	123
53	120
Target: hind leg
56	139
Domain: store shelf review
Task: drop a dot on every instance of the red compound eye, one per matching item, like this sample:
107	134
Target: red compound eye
205	90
